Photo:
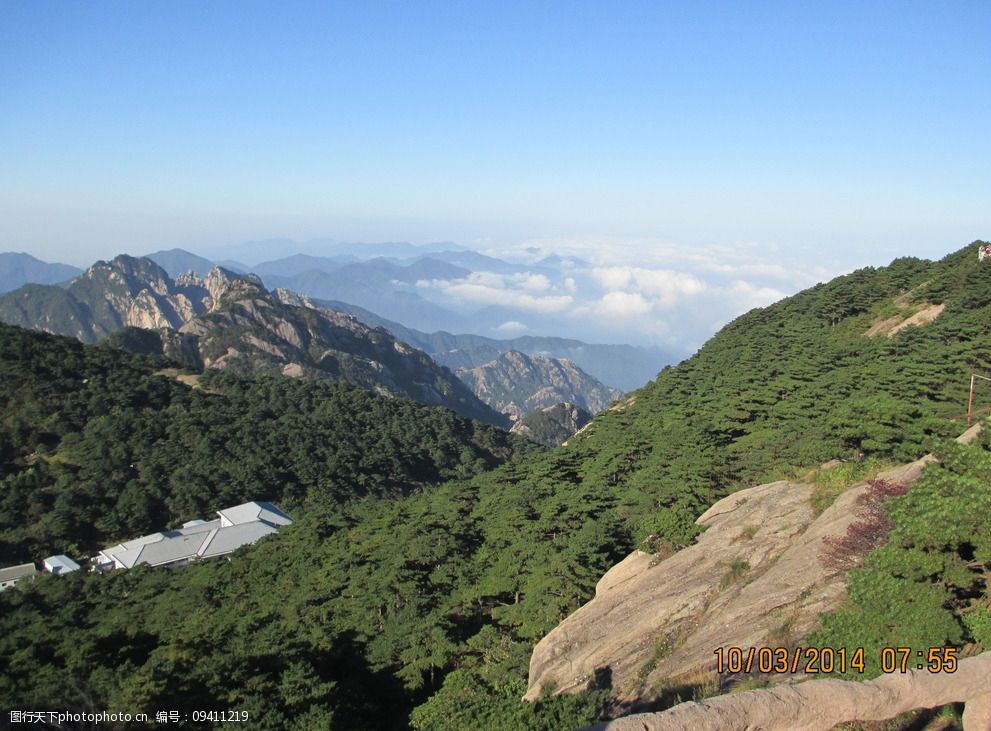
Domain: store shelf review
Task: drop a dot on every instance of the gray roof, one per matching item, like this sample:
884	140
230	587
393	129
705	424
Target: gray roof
233	537
237	526
249	512
171	548
17	572
60	564
165	547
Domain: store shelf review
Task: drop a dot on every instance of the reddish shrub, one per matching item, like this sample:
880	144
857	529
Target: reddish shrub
863	536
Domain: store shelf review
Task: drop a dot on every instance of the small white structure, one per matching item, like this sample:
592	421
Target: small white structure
197	539
983	252
60	564
10	575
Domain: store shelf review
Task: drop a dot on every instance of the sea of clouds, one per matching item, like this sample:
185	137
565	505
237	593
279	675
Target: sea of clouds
641	292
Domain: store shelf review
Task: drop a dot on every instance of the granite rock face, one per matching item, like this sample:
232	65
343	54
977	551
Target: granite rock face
754	578
517	384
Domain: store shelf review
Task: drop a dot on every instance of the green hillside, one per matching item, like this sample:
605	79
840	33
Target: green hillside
95	445
928	585
431	602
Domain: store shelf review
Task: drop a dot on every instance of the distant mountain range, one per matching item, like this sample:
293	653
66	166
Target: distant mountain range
380	283
255	252
179	261
386	284
16	270
368	290
231	321
514	383
626	367
388	291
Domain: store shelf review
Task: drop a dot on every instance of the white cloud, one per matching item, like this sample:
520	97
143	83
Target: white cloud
668	287
773	271
637	290
612	279
512	326
486	279
495	289
622	305
533	282
664	287
509	298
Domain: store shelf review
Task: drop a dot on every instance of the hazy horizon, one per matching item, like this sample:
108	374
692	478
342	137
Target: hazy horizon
605	292
842	128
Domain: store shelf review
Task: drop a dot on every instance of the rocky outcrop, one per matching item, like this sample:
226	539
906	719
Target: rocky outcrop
911	315
754	578
223	285
249	330
517	384
821	705
552	425
107	297
175	346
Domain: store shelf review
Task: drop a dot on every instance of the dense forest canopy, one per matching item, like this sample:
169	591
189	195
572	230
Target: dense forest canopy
98	445
416	580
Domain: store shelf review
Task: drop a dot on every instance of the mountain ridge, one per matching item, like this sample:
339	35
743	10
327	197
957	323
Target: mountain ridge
229	320
626	367
19	268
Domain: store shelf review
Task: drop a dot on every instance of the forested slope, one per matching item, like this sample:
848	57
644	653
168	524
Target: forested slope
929	584
442	594
96	444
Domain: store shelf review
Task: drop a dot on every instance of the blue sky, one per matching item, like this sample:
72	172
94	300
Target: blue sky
848	131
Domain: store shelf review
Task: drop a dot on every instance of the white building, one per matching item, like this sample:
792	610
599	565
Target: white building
197	539
59	565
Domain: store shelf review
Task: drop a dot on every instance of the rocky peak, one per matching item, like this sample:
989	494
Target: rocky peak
223	284
288	297
131	275
337	317
552	425
189	279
